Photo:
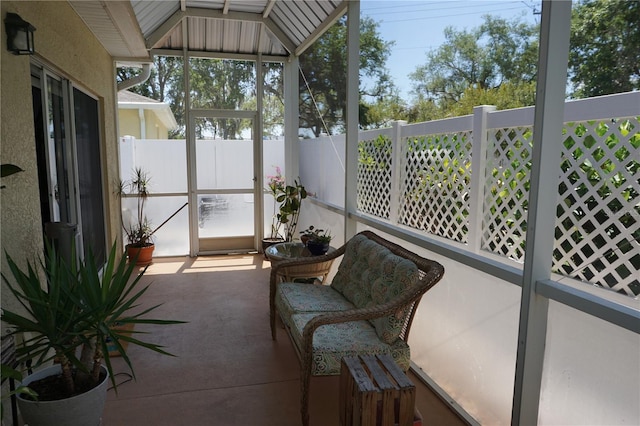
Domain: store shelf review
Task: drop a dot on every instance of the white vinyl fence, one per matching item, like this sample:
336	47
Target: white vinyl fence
467	179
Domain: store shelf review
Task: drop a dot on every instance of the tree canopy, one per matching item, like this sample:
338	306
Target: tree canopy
324	66
494	63
605	47
482	59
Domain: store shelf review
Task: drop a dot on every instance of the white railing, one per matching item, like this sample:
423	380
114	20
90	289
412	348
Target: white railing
467	178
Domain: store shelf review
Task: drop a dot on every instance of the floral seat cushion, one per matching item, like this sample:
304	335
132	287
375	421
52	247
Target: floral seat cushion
292	298
370	275
332	342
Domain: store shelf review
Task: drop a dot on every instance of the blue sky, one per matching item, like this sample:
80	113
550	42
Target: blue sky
418	26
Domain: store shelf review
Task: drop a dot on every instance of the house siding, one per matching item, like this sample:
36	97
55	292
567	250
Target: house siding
129	121
64	44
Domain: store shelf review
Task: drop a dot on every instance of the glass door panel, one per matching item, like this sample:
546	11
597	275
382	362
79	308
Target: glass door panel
225	184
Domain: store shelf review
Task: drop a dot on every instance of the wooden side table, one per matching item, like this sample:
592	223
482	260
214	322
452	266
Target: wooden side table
374	391
287	251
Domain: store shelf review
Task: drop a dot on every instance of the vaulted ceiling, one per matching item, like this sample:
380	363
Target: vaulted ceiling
131	30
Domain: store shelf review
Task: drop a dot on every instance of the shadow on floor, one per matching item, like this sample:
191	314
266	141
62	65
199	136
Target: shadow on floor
227	371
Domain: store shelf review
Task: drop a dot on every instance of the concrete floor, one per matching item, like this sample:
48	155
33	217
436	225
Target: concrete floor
227	370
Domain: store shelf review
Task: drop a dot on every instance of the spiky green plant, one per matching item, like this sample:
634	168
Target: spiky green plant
77	305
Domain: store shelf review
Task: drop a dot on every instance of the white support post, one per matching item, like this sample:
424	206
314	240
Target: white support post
396	170
192	196
291	122
478	174
547	129
258	157
352	119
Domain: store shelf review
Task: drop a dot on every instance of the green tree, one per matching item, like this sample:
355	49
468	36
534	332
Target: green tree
605	47
506	96
165	84
214	83
324	68
484	58
221	84
383	111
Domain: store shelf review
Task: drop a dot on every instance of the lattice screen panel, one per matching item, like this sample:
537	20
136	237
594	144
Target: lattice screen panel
374	176
598	226
435	184
506	194
598	214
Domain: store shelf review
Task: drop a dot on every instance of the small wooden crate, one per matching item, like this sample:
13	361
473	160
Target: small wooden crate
374	391
126	329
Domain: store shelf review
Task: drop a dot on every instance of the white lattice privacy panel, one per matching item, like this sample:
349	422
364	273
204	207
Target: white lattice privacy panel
374	176
598	226
506	193
435	181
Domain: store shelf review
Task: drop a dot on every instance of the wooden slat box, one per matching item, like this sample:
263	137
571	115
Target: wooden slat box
374	391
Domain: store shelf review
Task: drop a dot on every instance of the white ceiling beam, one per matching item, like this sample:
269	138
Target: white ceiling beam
164	29
198	12
183	5
331	19
225	8
218	55
288	44
267	10
124	20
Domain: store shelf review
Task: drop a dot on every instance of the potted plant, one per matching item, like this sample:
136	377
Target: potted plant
288	201
275	185
138	229
69	314
316	240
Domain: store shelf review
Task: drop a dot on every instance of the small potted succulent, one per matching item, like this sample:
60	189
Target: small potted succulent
316	240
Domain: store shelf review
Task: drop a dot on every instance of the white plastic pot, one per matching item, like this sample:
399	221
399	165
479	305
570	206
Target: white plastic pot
81	410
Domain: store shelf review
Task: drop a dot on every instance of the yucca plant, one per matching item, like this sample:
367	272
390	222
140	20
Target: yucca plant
77	306
139	231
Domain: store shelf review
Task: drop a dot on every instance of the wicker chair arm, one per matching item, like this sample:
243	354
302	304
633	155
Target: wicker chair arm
283	266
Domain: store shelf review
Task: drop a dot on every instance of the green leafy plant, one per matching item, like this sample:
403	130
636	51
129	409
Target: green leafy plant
76	307
8	170
290	200
314	234
275	185
8	372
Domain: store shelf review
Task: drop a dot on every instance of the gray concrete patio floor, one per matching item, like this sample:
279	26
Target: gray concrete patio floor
227	370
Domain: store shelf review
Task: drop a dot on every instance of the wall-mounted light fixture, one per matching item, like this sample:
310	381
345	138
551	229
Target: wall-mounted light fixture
19	35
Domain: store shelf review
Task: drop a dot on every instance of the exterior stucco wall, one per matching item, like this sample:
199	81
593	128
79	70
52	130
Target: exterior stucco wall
64	44
129	120
129	123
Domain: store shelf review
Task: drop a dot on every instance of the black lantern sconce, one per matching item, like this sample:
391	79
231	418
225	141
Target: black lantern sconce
19	35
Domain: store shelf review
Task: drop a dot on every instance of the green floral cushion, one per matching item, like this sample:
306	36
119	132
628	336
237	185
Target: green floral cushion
332	342
370	274
294	298
397	275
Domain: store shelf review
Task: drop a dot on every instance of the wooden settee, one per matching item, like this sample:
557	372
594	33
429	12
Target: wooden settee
367	309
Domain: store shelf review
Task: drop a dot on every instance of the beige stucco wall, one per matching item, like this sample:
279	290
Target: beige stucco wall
64	43
129	123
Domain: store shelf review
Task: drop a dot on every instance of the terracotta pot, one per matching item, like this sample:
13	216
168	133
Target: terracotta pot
144	255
